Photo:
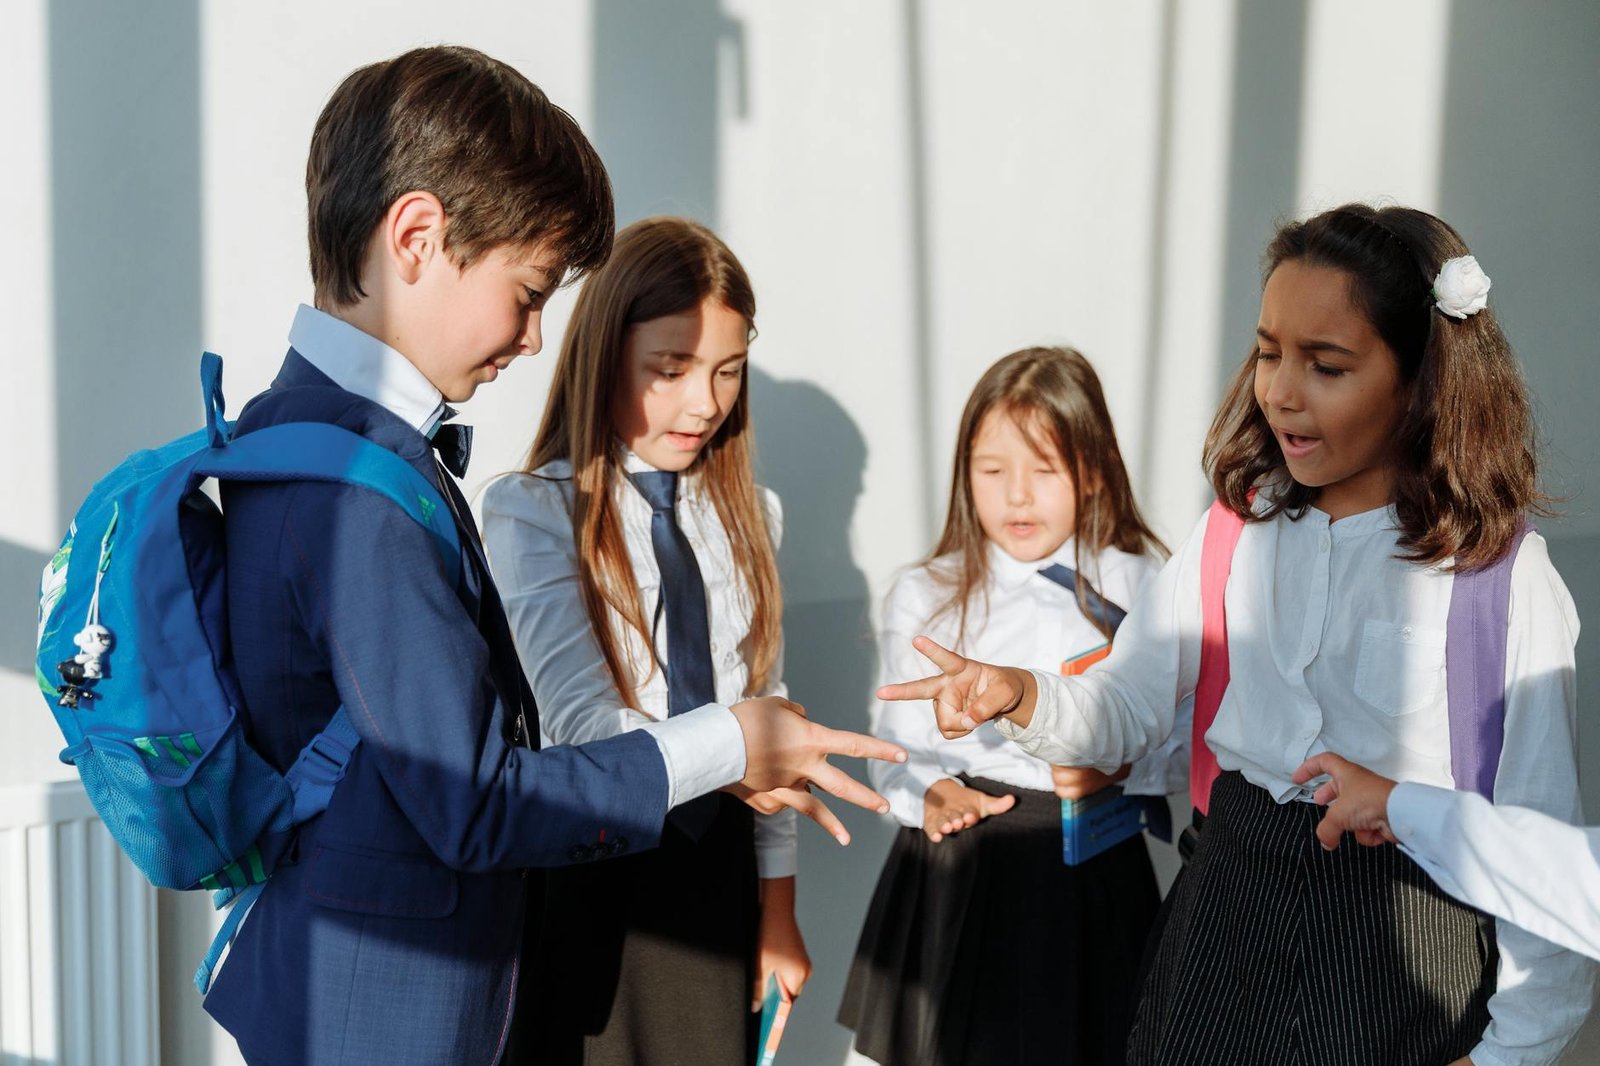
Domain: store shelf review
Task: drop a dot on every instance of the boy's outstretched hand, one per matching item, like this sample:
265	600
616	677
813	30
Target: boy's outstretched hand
1357	800
965	692
785	753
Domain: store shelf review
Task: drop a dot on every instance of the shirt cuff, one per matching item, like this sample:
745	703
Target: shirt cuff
1415	809
703	750
777	845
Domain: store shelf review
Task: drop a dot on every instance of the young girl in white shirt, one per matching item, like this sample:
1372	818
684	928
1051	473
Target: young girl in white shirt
641	473
981	943
1381	424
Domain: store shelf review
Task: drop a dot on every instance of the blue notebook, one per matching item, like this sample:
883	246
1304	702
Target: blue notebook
1094	823
774	1014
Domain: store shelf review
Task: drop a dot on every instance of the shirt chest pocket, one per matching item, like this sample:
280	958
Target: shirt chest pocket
1401	666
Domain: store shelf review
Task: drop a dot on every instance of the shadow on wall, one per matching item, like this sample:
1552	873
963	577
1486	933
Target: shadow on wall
1263	159
813	455
125	251
660	71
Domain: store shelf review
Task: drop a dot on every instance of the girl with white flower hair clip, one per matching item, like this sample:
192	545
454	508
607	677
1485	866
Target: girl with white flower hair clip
1374	462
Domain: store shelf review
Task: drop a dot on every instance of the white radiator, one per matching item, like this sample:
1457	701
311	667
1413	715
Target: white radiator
77	937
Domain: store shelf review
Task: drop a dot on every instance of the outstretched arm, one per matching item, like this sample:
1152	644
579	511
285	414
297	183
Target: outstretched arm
1528	868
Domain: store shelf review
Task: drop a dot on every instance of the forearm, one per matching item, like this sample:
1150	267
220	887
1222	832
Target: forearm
1517	864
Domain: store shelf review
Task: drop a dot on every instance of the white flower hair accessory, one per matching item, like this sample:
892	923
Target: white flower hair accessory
1462	288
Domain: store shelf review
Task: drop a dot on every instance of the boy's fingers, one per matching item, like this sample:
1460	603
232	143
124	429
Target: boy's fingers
1329	831
816	810
948	662
858	745
1326	794
847	788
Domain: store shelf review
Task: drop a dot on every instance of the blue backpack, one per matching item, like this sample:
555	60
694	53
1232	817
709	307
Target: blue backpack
134	659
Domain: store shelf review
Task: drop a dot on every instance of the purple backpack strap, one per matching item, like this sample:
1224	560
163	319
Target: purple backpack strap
1475	669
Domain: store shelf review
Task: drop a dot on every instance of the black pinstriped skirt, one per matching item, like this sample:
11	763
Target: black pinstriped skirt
1277	952
986	949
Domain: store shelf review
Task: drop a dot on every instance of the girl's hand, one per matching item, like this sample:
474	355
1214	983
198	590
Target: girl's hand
1076	782
1357	799
949	807
965	692
780	949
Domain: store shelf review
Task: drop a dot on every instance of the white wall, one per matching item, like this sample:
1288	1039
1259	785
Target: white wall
916	188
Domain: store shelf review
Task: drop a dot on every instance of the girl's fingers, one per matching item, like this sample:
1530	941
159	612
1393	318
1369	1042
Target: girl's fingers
1322	763
926	688
948	662
998	805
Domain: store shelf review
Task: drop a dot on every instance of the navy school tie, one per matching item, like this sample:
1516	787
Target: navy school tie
1158	816
691	678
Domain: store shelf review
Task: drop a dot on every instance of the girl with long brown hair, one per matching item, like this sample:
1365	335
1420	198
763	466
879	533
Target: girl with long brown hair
638	500
1043	551
1373	462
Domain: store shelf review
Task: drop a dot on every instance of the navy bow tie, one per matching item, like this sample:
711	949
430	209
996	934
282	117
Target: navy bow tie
453	442
691	678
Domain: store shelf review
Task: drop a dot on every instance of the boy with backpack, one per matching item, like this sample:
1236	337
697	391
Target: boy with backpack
365	644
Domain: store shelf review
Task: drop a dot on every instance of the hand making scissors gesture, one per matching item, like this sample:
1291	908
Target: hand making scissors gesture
965	692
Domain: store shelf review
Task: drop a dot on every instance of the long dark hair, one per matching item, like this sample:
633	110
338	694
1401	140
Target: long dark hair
660	266
1464	454
1055	394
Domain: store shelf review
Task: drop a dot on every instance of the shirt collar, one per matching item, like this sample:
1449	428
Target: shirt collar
1009	572
688	480
360	363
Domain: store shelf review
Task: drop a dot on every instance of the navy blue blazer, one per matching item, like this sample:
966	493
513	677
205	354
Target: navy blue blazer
391	932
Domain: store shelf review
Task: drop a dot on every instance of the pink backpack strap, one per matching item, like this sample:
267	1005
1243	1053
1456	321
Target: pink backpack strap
1216	561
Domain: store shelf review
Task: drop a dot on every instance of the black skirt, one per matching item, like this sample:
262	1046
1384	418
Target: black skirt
987	948
1274	951
648	959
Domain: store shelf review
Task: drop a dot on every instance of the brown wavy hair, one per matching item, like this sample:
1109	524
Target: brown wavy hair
1464	452
1054	397
658	267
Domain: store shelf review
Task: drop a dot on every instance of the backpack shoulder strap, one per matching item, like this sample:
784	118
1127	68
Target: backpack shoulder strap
1216	562
318	451
1475	669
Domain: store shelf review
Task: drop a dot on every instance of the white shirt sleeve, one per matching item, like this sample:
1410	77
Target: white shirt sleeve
1544	992
911	725
527	532
1519	865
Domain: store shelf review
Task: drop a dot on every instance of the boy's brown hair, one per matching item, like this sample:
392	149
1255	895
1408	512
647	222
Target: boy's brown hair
1054	397
1463	452
508	166
661	266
